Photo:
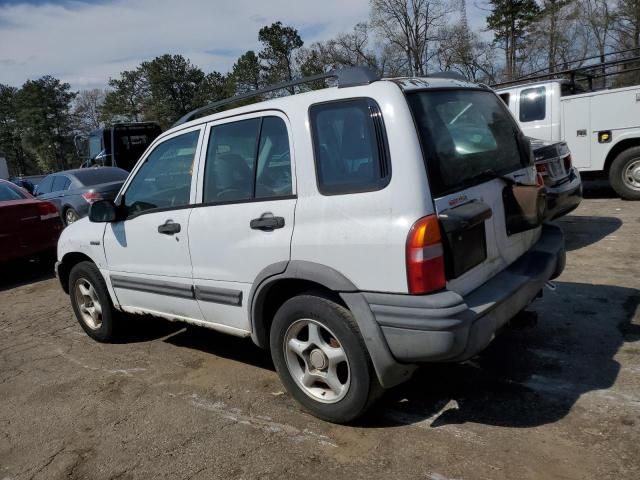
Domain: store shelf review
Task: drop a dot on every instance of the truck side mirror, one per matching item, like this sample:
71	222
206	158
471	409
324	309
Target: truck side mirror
103	211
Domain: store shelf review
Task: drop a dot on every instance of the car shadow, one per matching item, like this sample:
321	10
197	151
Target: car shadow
222	345
526	377
18	273
145	328
597	188
581	231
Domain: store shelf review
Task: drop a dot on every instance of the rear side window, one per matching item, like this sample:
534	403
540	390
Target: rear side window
60	183
248	160
350	147
532	104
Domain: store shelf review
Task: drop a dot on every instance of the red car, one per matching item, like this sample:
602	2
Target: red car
28	226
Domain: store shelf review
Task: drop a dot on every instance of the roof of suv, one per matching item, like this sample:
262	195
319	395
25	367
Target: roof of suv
313	96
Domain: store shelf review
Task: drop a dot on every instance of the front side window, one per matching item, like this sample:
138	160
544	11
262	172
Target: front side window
349	146
164	180
532	104
246	160
467	136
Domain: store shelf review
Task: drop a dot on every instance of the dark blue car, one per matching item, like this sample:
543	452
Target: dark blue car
73	191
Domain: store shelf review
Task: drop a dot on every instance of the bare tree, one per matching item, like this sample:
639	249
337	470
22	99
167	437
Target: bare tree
86	108
412	26
465	52
598	18
627	24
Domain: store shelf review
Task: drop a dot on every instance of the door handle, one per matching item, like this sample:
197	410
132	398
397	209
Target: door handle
169	228
267	222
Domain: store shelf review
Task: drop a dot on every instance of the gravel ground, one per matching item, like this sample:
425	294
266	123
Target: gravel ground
557	400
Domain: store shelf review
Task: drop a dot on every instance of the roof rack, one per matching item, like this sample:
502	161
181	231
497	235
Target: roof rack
448	74
587	72
346	77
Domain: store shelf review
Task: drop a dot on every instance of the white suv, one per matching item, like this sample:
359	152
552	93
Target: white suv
354	231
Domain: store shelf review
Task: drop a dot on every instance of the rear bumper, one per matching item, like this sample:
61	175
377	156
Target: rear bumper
564	198
448	327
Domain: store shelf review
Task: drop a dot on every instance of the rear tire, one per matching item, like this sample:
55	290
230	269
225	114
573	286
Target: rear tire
624	174
70	216
91	301
321	358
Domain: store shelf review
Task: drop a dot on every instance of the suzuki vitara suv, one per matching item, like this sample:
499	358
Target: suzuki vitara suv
355	232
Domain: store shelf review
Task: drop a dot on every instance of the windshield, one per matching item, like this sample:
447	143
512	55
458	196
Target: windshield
467	137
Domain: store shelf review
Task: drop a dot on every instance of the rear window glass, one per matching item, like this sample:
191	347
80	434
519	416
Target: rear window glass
350	147
94	176
467	136
532	104
9	192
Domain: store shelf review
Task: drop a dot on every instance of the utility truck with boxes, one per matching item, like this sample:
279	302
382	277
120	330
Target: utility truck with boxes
601	126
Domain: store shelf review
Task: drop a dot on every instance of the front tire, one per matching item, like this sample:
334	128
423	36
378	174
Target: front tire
624	174
91	301
321	358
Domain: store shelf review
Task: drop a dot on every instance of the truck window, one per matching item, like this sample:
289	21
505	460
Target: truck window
95	145
505	98
532	104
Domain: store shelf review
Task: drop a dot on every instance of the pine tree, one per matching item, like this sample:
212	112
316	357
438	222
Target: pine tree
509	20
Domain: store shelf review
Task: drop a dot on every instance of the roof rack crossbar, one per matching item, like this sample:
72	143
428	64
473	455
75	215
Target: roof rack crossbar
586	71
346	77
608	54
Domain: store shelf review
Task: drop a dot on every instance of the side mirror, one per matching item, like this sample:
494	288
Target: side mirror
103	211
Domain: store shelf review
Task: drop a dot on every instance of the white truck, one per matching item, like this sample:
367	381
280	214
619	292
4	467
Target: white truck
602	127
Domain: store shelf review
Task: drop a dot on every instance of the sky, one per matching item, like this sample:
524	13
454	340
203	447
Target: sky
85	42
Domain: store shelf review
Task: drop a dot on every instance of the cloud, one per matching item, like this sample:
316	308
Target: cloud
85	43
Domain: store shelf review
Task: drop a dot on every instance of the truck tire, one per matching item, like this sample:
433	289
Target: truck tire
321	358
624	174
91	301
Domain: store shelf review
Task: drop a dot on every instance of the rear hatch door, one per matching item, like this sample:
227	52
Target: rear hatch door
473	151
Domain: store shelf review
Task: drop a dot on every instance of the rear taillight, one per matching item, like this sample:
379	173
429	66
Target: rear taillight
541	168
47	210
92	196
567	163
425	257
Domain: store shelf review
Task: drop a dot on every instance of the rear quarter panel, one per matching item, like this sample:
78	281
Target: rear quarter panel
362	235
